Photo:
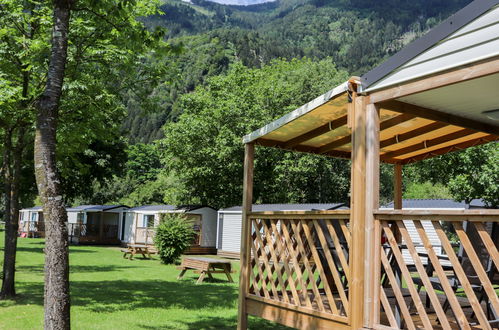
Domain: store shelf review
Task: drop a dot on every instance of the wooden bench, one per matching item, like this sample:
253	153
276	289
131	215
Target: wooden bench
205	266
134	249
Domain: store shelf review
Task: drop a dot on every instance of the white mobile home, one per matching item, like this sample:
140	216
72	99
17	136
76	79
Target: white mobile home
230	220
31	222
96	224
140	224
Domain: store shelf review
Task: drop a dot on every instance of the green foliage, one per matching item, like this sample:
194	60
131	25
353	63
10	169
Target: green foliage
204	146
173	235
468	174
426	190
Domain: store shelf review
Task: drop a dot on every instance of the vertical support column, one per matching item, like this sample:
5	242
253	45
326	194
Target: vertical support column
358	211
372	229
242	316
397	186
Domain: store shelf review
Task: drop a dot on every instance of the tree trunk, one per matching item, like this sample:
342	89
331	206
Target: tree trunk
8	289
57	302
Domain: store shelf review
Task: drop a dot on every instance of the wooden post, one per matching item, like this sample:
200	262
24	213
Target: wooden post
242	316
358	211
397	186
397	195
372	234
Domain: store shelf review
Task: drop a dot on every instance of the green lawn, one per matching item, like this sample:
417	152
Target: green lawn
109	292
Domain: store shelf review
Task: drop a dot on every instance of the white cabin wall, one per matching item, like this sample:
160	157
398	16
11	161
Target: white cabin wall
231	232
208	226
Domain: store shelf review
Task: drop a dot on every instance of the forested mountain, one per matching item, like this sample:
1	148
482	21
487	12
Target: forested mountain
356	34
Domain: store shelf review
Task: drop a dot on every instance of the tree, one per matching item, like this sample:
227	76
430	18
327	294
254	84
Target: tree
204	147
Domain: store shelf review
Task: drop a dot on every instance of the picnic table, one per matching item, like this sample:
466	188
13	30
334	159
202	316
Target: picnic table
133	249
205	266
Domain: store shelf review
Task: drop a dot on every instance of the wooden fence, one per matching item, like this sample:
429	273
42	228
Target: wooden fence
452	290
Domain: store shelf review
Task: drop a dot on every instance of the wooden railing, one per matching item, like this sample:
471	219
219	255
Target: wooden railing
93	232
454	289
300	261
144	235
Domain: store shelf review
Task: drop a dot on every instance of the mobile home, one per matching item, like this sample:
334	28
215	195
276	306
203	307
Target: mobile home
31	223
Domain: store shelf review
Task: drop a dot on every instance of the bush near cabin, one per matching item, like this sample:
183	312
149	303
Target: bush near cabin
173	236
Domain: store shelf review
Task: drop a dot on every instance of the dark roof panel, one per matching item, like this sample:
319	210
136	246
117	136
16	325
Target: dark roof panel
435	35
428	204
96	208
290	207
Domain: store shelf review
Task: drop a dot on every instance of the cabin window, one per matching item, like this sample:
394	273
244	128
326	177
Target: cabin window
148	221
79	217
34	217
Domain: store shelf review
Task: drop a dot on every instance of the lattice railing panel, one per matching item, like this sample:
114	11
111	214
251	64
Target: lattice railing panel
456	289
301	262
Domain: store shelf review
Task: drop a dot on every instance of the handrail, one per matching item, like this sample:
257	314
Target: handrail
319	214
455	215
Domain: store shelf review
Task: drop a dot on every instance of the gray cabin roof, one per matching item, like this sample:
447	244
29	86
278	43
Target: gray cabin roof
434	36
94	208
429	204
34	208
162	208
289	207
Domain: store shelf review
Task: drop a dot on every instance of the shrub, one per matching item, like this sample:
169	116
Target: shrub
173	235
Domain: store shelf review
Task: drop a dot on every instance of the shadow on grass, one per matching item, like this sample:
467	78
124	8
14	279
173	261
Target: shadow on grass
216	323
111	296
75	268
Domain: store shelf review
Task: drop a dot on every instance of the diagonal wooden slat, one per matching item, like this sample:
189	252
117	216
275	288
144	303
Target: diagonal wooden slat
261	277
289	273
297	267
317	296
320	268
339	248
403	267
461	275
386	305
442	317
477	265
264	258
489	244
444	282
397	291
332	266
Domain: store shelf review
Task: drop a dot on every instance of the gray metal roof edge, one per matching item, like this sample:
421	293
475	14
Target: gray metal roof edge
435	35
304	109
238	208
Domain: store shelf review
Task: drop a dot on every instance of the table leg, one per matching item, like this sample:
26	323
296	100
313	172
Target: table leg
209	274
132	253
201	277
182	272
227	272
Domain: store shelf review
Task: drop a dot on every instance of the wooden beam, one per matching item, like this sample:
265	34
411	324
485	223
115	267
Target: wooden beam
372	203
358	211
244	278
312	150
347	139
429	143
445	150
332	125
464	73
395	121
335	144
440	116
412	134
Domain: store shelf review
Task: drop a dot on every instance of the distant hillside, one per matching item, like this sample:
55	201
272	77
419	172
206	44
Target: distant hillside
238	2
356	34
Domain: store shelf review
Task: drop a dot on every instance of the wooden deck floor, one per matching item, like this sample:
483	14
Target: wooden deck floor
415	317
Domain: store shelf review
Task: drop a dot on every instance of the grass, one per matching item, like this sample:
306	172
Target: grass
109	292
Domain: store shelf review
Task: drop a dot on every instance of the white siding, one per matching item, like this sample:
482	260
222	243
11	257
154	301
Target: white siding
208	226
129	226
475	41
72	216
231	232
416	240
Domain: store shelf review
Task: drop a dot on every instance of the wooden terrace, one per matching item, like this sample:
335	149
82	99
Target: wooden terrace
346	269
